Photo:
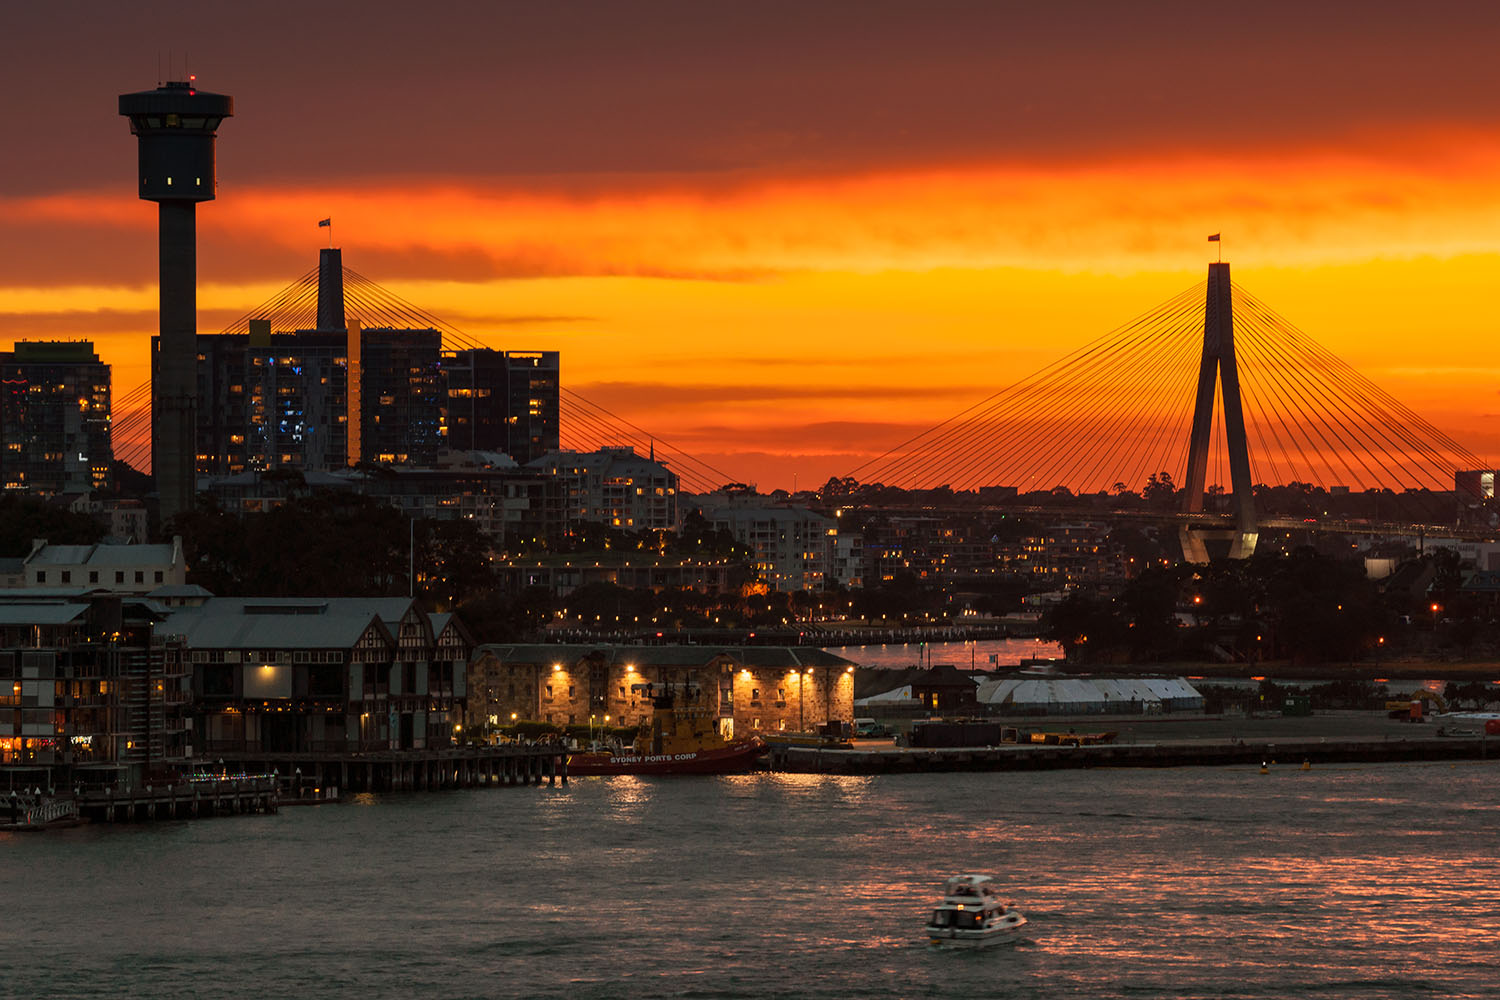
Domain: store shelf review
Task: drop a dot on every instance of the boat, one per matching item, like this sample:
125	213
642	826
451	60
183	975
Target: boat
678	740
971	915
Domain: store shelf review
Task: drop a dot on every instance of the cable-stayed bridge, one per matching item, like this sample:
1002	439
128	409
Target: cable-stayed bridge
1212	391
1212	395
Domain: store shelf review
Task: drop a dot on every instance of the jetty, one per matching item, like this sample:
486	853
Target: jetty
476	766
188	798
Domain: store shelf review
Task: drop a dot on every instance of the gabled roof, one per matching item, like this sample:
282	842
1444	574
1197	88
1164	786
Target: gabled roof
180	590
102	555
280	623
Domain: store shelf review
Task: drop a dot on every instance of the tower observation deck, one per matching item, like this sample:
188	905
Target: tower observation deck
175	125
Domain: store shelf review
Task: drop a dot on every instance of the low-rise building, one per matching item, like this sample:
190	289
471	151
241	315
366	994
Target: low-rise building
293	675
119	569
84	685
749	689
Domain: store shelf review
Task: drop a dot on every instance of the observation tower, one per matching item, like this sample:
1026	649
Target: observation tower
175	125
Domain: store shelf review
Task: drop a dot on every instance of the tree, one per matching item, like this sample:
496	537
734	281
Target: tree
1160	492
23	519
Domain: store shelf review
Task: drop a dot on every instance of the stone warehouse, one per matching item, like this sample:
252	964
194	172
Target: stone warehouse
751	689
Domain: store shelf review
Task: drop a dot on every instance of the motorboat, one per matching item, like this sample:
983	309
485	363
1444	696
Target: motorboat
971	915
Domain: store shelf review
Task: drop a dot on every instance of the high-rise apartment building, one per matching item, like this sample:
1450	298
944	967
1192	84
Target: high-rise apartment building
357	387
281	400
504	401
54	418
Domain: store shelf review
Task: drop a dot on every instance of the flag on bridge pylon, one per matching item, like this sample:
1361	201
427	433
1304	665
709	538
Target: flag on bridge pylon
1212	239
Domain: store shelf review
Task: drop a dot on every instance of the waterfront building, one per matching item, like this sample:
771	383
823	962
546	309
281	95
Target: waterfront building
749	689
505	401
616	487
84	685
116	569
792	548
294	675
54	418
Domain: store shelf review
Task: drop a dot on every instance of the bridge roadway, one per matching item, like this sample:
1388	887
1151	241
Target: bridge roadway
1325	525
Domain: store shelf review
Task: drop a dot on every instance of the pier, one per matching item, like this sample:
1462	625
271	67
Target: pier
1033	757
185	799
411	770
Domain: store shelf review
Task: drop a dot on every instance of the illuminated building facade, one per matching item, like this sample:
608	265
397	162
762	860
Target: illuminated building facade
748	689
54	418
295	675
792	548
505	401
281	400
615	487
83	684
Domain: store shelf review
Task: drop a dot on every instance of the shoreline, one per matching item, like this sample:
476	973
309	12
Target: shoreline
1171	741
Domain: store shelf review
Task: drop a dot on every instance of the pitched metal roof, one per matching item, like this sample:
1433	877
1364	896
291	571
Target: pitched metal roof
101	555
788	657
41	614
276	623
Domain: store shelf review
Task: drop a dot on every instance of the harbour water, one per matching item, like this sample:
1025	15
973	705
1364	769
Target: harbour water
1359	882
964	655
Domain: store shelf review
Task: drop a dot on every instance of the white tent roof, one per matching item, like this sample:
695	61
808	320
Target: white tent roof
1081	690
901	695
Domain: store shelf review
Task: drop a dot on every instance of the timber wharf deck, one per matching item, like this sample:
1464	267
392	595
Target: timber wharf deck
411	770
219	795
1031	757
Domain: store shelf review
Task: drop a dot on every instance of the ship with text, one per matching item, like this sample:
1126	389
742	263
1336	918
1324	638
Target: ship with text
679	739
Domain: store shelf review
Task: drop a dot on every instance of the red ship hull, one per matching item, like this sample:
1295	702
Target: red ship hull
736	758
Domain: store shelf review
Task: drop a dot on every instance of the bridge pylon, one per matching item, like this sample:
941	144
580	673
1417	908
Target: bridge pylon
1218	368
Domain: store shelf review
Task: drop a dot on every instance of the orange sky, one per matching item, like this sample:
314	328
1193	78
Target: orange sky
787	276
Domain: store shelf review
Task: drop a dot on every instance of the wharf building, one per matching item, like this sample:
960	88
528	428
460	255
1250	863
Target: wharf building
54	418
322	675
748	689
87	691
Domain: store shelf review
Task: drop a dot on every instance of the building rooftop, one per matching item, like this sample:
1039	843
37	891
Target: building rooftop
102	555
789	657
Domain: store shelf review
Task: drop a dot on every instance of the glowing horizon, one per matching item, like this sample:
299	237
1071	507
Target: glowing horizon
786	269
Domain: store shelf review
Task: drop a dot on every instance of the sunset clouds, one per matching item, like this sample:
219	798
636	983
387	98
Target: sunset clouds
787	236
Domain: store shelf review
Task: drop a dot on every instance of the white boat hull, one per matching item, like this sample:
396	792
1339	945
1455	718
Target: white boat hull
1005	932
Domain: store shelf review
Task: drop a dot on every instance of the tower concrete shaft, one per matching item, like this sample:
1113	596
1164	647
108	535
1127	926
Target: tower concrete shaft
1218	369
175	126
